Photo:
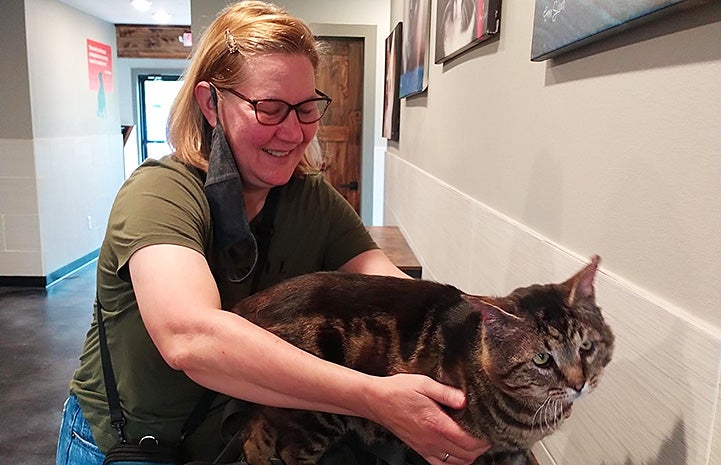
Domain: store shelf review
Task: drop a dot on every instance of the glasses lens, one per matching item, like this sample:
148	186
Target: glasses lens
271	111
310	112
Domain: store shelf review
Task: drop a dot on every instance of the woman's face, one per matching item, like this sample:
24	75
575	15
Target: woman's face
268	155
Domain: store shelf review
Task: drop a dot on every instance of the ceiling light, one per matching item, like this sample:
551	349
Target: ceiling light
141	5
162	16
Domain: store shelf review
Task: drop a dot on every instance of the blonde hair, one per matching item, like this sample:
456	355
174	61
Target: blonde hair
242	31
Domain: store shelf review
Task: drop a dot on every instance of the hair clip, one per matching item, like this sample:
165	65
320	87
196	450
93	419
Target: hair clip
230	42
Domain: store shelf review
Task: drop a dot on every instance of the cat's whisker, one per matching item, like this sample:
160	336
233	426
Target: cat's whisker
552	413
536	415
557	411
548	414
546	408
554	406
533	419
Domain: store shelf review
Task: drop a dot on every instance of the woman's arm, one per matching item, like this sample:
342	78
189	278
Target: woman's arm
373	261
179	304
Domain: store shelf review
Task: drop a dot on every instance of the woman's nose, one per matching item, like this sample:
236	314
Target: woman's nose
291	129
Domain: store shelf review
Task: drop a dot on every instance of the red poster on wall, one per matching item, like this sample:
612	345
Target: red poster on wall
100	66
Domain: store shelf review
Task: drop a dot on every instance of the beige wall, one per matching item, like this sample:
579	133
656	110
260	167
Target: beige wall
14	124
61	171
19	230
509	172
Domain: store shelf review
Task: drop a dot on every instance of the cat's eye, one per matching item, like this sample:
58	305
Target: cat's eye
586	346
542	359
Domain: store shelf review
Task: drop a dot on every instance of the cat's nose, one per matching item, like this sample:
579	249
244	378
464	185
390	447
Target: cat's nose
574	377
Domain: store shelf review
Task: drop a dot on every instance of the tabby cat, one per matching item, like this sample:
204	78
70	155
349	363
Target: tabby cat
522	360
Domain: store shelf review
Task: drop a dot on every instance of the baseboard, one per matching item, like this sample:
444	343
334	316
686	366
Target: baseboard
51	278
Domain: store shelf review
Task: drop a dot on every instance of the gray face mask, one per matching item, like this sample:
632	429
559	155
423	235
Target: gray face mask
238	250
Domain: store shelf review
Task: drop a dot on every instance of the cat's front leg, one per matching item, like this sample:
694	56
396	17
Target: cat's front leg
260	441
304	437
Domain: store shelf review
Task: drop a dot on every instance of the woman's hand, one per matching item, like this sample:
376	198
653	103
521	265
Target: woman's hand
408	407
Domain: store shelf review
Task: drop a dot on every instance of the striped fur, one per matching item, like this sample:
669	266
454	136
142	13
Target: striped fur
487	346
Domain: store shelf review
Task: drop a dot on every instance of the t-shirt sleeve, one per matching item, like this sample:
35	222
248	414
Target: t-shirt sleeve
158	205
347	236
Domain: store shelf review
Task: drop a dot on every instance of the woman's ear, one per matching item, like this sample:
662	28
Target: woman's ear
205	101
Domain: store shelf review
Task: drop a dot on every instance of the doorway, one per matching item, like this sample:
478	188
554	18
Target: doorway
156	93
340	75
371	175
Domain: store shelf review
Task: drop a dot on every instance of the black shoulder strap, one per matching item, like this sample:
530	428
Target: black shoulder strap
265	231
117	419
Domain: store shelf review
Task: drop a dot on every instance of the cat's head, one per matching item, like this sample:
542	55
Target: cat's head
547	344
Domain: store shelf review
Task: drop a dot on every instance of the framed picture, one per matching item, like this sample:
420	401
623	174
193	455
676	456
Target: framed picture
391	99
416	35
562	25
463	24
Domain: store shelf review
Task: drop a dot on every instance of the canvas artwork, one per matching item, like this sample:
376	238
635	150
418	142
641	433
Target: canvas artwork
416	36
391	99
463	24
562	25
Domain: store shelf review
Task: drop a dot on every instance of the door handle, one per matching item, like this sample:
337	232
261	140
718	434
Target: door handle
353	185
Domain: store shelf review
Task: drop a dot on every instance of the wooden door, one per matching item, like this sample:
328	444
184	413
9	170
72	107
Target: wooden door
340	75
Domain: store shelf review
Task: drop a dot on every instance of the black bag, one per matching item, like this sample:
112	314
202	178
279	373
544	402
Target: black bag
148	450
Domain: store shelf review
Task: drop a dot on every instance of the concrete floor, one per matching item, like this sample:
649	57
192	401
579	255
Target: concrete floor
42	331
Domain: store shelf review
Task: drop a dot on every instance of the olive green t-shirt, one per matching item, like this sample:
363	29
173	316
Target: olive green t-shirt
163	202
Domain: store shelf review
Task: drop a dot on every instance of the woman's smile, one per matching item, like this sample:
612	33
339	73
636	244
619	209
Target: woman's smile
276	153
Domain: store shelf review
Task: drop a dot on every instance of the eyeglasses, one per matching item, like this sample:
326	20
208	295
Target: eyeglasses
270	111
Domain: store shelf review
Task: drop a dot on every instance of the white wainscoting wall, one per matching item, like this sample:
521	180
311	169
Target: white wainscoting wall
656	404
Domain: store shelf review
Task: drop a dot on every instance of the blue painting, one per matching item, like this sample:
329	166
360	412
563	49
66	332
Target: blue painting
562	25
416	35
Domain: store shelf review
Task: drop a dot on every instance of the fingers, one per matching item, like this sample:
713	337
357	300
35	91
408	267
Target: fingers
461	446
443	394
412	413
447	458
441	459
453	440
455	399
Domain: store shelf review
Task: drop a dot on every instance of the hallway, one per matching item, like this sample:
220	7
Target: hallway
42	334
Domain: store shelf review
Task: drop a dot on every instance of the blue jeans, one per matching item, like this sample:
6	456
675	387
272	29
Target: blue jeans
76	445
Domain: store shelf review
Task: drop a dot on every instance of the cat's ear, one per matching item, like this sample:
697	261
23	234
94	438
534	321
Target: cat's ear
582	284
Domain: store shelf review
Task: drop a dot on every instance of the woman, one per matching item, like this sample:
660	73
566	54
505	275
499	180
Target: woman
178	249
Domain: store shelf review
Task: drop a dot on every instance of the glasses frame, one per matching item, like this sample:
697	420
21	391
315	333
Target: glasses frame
322	97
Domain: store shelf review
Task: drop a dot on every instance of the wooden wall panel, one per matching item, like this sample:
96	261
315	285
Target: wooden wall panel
138	41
